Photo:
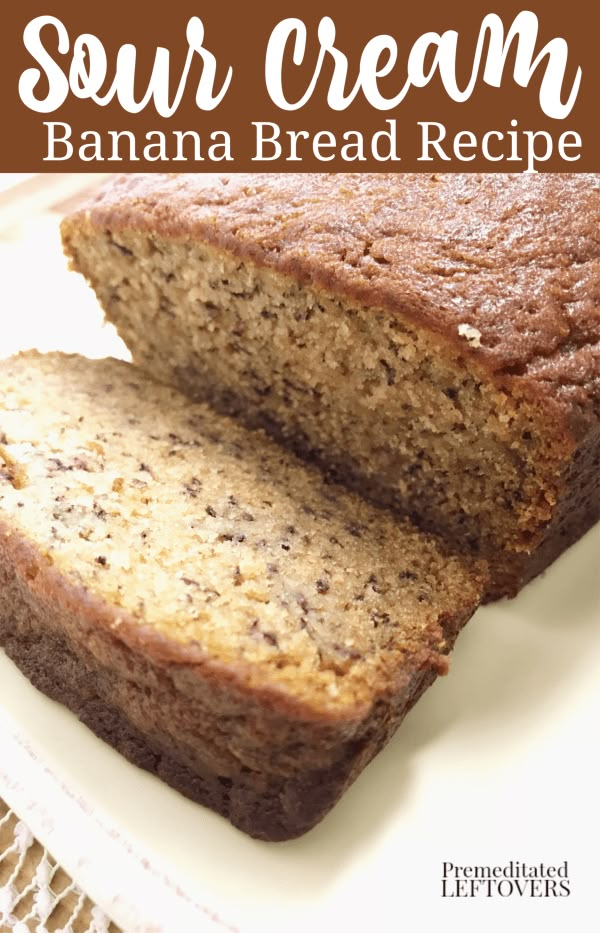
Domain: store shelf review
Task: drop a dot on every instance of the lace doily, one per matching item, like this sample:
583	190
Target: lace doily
36	895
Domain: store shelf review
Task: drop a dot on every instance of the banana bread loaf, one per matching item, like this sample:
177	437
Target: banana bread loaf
204	601
432	340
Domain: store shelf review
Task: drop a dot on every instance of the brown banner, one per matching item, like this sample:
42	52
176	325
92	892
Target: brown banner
465	101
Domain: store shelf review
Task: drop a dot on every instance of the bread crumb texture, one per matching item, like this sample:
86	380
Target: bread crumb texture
210	535
433	340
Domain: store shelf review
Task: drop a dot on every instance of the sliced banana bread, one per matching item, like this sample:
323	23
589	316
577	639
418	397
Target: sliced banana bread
432	339
204	601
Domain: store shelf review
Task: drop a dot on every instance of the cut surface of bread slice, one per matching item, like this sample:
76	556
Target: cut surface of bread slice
203	600
431	339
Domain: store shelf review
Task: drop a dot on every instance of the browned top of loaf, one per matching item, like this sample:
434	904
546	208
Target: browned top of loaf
517	257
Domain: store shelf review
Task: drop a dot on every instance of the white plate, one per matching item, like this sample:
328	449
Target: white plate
499	761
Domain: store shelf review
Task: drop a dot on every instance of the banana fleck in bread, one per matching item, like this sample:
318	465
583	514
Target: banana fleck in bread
202	600
431	339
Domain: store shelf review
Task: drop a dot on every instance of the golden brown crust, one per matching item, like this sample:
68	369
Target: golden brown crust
516	257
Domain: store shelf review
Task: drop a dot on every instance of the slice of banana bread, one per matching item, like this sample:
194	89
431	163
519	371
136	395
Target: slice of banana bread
432	339
204	601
